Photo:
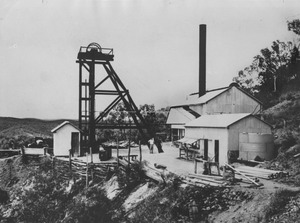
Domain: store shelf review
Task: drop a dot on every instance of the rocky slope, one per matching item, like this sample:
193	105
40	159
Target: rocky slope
38	193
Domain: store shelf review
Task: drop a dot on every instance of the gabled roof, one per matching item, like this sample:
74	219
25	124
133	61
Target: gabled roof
195	100
205	98
218	121
179	116
63	124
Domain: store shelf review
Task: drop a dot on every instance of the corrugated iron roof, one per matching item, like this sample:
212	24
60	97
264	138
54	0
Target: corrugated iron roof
217	121
179	116
187	140
195	100
63	124
207	97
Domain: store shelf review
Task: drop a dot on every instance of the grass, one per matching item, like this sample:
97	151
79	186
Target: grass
278	202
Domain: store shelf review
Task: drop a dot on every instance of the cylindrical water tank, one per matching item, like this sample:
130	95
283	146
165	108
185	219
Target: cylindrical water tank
252	145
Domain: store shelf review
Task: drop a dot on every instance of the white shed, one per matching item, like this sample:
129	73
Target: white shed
219	135
66	136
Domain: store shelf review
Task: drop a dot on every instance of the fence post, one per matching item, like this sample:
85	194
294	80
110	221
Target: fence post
140	147
9	161
70	161
129	146
22	151
87	170
118	151
91	152
92	165
70	164
24	157
53	165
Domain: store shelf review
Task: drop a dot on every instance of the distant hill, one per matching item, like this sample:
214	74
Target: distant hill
15	127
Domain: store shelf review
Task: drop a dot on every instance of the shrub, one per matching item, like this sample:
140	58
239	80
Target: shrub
42	202
92	206
278	202
173	203
133	175
286	140
44	198
288	96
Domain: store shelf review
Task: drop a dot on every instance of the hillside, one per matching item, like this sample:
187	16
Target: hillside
285	118
13	127
15	132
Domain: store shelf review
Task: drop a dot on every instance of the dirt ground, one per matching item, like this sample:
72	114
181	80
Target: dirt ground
169	158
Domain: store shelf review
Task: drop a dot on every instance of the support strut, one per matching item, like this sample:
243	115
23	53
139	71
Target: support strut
88	58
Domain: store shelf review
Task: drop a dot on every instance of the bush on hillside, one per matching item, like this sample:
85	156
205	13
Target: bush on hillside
173	203
278	202
91	206
132	176
15	142
47	197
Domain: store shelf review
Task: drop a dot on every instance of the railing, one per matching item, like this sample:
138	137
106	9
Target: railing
108	51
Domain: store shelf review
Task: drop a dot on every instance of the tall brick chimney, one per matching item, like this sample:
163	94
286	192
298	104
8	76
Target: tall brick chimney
202	60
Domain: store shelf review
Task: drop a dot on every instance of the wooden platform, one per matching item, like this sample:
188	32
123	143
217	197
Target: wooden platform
188	153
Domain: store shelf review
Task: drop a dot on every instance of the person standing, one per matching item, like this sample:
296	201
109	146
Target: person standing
157	142
151	142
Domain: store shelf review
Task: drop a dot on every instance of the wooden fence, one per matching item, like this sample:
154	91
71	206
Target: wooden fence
75	169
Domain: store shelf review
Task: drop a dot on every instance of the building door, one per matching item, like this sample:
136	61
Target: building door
205	149
217	151
175	134
75	143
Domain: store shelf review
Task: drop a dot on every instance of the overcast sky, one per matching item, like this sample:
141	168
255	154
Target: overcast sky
155	44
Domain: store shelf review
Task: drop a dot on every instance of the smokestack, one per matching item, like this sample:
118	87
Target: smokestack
202	60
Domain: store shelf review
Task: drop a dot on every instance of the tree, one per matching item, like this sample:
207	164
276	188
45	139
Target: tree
273	63
268	72
156	119
247	80
118	114
149	115
294	26
272	69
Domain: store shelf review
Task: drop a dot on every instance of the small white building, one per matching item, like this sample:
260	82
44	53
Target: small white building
66	137
223	135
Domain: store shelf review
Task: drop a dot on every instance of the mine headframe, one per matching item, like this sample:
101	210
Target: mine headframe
88	58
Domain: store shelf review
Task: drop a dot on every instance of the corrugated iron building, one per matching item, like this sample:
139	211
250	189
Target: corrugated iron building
223	101
218	136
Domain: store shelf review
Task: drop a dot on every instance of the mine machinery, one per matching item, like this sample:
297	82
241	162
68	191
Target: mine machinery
89	58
